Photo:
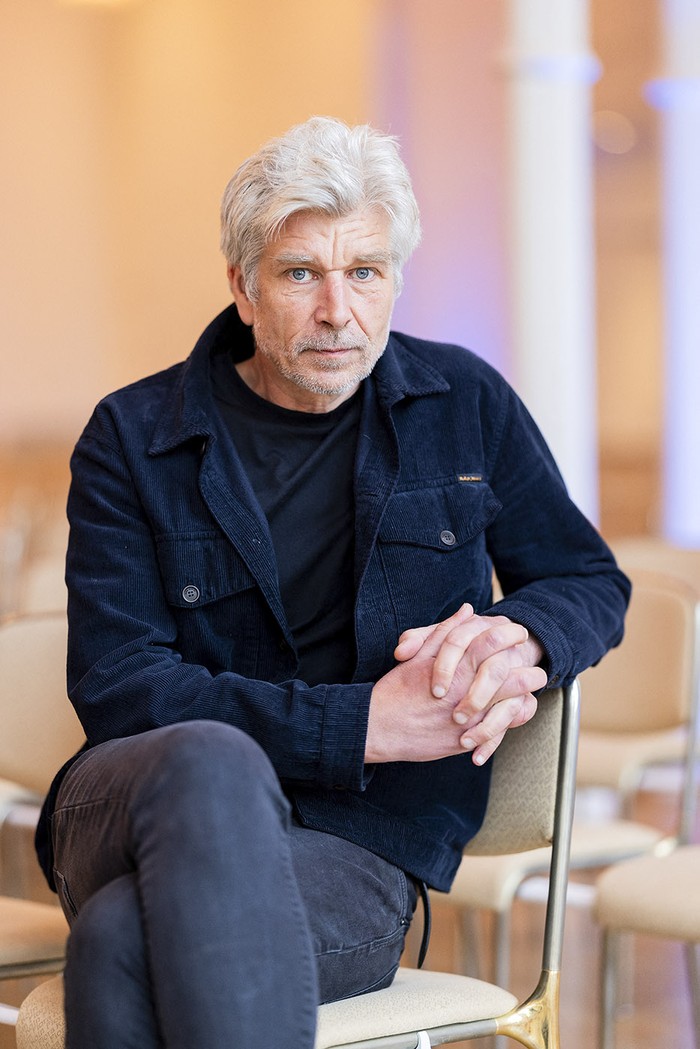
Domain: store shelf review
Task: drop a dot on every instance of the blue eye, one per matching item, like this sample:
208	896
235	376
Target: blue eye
299	274
364	273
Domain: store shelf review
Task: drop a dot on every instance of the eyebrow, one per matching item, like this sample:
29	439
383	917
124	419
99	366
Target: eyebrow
294	258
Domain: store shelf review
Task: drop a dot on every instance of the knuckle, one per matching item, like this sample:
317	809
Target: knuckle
497	670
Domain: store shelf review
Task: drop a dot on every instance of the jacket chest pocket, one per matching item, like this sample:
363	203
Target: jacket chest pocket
200	569
433	548
215	601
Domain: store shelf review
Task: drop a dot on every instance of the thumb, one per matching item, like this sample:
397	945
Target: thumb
428	639
411	642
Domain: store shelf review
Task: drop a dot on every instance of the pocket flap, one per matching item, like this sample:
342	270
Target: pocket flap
201	568
442	516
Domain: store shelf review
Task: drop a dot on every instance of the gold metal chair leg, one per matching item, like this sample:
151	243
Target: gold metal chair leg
535	1023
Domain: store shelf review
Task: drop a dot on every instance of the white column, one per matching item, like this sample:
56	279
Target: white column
551	72
677	95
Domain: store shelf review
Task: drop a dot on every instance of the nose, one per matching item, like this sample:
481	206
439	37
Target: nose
333	305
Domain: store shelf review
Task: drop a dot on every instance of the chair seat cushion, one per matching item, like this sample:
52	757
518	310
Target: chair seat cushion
616	759
659	895
40	1024
490	882
30	932
417	1000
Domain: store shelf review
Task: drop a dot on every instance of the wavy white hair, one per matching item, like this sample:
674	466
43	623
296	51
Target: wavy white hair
324	166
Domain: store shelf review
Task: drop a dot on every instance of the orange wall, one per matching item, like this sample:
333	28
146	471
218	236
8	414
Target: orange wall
123	128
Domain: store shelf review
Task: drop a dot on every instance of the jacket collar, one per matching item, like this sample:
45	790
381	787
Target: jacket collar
190	413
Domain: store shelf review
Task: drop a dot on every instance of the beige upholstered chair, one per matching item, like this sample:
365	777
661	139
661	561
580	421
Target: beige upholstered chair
657	896
41	585
39	728
640	692
637	707
622	761
32	938
38	732
655	554
530	803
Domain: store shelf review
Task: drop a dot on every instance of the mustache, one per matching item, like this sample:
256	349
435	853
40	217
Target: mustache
339	340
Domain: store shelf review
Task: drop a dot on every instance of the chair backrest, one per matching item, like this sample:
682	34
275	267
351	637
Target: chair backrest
522	798
42	587
531	801
655	554
38	728
648	683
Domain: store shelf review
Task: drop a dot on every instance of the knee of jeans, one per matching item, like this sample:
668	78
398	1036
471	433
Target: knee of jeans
210	757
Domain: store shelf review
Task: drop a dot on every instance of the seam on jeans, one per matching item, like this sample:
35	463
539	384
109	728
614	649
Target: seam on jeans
73	807
397	933
367	945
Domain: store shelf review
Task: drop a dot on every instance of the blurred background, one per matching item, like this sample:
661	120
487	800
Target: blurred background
555	152
122	122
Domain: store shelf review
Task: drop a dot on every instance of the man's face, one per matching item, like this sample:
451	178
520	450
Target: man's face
321	317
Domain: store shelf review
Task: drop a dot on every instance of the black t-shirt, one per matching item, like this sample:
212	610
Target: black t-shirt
300	465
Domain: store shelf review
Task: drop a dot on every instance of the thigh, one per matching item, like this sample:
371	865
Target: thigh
172	799
359	908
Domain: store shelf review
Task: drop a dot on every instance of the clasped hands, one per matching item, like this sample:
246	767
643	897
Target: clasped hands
457	686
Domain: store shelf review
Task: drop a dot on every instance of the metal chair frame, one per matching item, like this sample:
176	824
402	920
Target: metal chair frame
534	1022
630	837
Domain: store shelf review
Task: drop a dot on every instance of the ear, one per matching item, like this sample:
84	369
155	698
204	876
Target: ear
246	310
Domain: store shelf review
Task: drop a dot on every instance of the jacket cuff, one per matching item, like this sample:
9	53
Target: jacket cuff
551	632
343	736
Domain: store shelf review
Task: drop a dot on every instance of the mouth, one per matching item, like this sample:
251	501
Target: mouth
332	353
311	348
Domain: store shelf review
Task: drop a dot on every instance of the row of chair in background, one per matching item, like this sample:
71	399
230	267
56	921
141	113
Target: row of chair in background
639	709
33	534
39	731
657	895
32	557
627	896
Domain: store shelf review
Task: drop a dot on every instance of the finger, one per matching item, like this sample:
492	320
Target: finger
412	641
497	680
482	754
499	637
485	738
481	637
494	723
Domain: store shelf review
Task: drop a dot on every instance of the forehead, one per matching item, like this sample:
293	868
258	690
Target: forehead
362	234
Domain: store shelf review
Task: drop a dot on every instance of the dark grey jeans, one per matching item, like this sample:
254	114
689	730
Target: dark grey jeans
202	916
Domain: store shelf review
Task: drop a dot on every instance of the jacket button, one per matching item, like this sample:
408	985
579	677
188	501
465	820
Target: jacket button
190	593
447	537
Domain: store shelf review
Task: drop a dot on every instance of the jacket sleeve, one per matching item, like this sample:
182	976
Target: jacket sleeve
558	576
125	673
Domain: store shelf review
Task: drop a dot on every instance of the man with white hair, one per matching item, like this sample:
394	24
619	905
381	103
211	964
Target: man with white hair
283	645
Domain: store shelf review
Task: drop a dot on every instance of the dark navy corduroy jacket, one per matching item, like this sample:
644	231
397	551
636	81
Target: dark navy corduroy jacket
175	611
